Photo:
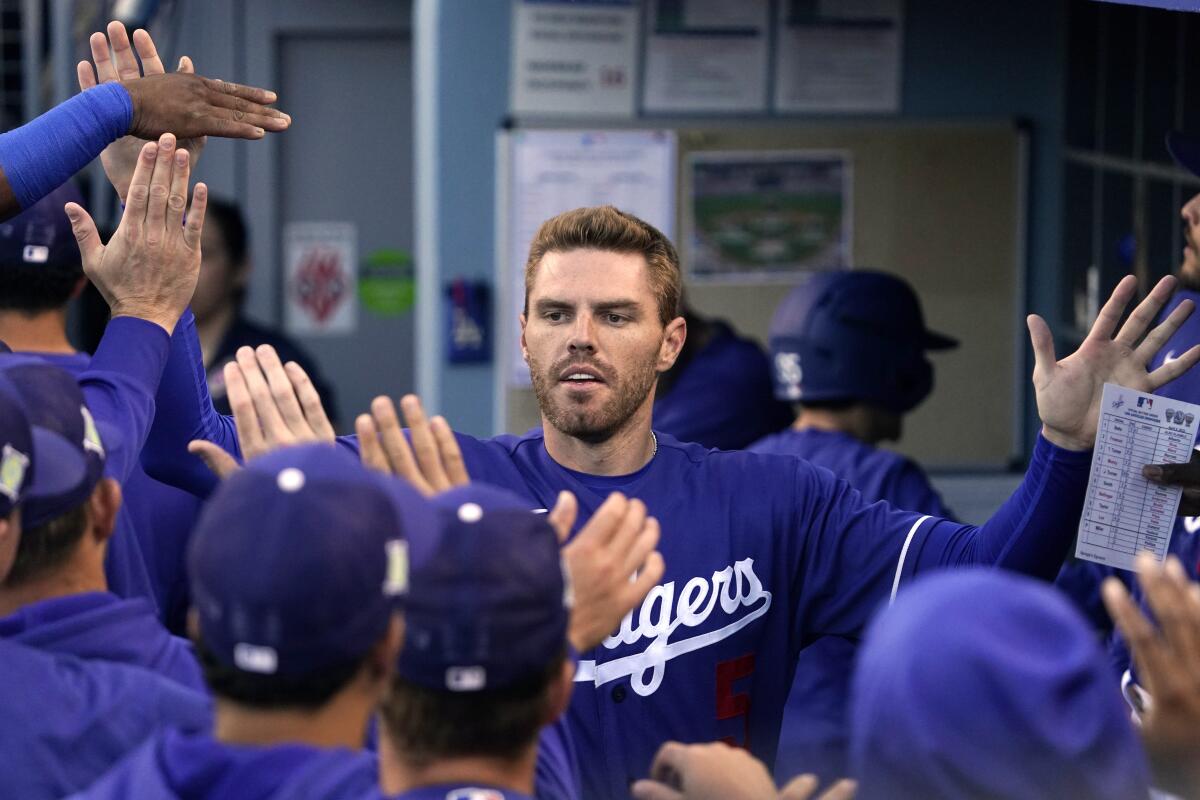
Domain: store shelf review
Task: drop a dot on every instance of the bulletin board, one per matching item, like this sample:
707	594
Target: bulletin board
943	205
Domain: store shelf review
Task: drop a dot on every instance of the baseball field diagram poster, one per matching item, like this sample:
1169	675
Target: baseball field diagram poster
768	215
320	278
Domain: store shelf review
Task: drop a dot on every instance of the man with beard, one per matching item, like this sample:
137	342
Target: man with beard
764	553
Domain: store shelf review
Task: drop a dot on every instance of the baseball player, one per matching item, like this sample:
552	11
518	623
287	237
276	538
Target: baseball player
1006	697
40	272
297	564
55	596
764	554
484	667
71	703
850	349
718	392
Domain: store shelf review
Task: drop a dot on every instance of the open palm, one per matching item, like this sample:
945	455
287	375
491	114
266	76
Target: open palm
120	158
1068	391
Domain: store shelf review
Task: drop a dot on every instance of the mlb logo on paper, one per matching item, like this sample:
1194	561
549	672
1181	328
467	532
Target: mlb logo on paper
1147	401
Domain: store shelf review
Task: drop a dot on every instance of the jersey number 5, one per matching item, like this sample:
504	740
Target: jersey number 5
730	704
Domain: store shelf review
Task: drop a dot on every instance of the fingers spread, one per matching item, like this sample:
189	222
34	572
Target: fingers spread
563	515
310	402
194	224
151	63
85	75
138	197
127	66
1043	346
249	430
86	236
1145	312
1110	315
160	190
177	197
282	393
1159	335
370	450
219	462
1172	370
106	70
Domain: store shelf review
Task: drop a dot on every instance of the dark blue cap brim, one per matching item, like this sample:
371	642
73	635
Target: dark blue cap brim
939	341
1185	150
57	466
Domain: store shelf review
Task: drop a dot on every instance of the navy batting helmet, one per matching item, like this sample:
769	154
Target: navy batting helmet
856	335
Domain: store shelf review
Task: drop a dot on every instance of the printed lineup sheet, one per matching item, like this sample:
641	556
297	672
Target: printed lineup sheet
1124	514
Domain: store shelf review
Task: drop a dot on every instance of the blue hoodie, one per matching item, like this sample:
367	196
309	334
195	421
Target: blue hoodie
194	766
64	721
100	625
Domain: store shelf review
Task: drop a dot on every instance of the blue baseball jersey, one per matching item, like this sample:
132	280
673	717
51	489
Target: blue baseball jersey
815	736
146	553
764	555
65	721
1187	386
195	766
745	408
102	626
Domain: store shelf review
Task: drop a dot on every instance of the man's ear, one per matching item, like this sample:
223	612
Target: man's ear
674	335
524	350
103	507
79	284
383	656
10	540
193	624
558	693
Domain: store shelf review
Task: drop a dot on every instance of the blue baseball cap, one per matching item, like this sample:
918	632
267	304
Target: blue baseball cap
299	559
490	601
41	234
982	683
68	444
17	457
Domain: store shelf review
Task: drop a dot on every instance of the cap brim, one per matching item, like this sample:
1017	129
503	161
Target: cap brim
939	341
58	466
1185	150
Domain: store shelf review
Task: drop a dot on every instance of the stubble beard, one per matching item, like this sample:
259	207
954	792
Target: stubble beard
599	425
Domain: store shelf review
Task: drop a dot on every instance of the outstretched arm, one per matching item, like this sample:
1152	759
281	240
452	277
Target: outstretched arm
42	154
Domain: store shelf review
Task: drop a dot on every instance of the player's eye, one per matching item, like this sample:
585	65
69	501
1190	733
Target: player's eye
615	319
554	316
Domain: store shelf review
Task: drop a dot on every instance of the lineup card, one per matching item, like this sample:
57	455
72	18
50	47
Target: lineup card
1124	514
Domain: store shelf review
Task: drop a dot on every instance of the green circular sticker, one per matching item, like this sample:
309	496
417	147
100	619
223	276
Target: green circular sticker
386	284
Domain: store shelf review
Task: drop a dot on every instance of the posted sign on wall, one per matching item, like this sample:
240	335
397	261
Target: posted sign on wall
320	278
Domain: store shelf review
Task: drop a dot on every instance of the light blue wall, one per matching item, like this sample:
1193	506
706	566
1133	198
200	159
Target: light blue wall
472	101
960	60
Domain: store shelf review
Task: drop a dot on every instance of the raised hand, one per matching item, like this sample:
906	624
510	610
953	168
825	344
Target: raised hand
120	157
1068	391
1168	665
274	405
612	563
437	464
150	266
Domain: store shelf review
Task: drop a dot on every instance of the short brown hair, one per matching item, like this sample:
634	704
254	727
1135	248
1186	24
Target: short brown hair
607	228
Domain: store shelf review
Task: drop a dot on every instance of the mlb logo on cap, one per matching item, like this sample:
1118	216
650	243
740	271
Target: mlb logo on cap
474	794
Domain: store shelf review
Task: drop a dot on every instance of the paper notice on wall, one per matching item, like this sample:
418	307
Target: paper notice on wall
574	58
320	278
1123	513
706	55
838	56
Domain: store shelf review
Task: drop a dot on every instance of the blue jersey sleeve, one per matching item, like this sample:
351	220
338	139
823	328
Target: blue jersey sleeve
858	555
186	413
119	387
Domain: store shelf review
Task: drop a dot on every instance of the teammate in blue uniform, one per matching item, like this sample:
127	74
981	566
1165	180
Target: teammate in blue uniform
40	272
718	393
484	665
55	596
65	719
850	349
764	554
297	565
981	684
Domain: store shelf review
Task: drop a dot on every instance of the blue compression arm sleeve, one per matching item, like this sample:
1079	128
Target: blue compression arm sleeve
41	155
185	413
1030	533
